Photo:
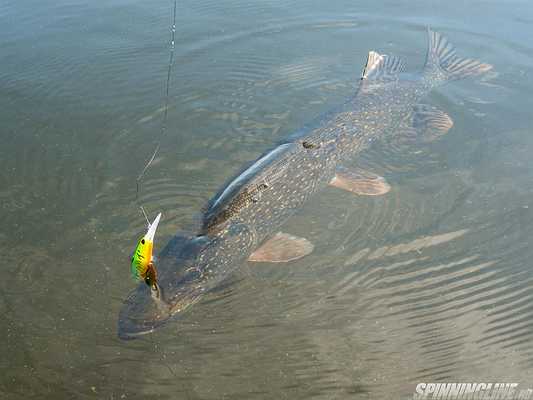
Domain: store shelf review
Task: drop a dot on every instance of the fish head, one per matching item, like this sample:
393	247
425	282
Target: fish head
179	284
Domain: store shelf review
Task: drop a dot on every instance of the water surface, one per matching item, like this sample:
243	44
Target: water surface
432	282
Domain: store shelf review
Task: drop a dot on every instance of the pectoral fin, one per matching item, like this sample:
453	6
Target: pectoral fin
282	248
360	182
430	123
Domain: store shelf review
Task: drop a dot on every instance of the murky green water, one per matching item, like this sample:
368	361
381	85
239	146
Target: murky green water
432	282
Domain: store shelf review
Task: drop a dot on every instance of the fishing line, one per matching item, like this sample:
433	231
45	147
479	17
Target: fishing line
164	123
145	216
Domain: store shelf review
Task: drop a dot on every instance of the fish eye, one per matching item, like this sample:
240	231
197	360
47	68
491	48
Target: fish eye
142	241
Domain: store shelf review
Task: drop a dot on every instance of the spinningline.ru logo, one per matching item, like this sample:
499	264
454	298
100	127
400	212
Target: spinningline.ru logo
473	391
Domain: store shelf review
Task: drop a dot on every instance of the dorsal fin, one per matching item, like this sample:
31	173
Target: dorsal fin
379	66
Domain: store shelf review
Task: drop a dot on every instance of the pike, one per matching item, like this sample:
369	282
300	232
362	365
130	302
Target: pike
241	223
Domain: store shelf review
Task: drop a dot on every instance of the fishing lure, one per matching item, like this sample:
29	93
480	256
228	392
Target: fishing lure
143	260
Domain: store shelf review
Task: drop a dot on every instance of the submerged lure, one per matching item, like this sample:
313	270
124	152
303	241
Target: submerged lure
143	261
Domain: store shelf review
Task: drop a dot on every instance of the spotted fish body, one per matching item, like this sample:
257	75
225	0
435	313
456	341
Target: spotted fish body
252	207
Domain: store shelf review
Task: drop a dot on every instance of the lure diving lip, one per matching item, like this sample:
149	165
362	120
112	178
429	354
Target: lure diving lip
152	228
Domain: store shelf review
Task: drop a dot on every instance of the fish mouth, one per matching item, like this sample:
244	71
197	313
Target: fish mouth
146	310
142	312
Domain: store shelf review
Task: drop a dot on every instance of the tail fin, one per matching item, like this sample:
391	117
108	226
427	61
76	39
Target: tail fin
443	64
